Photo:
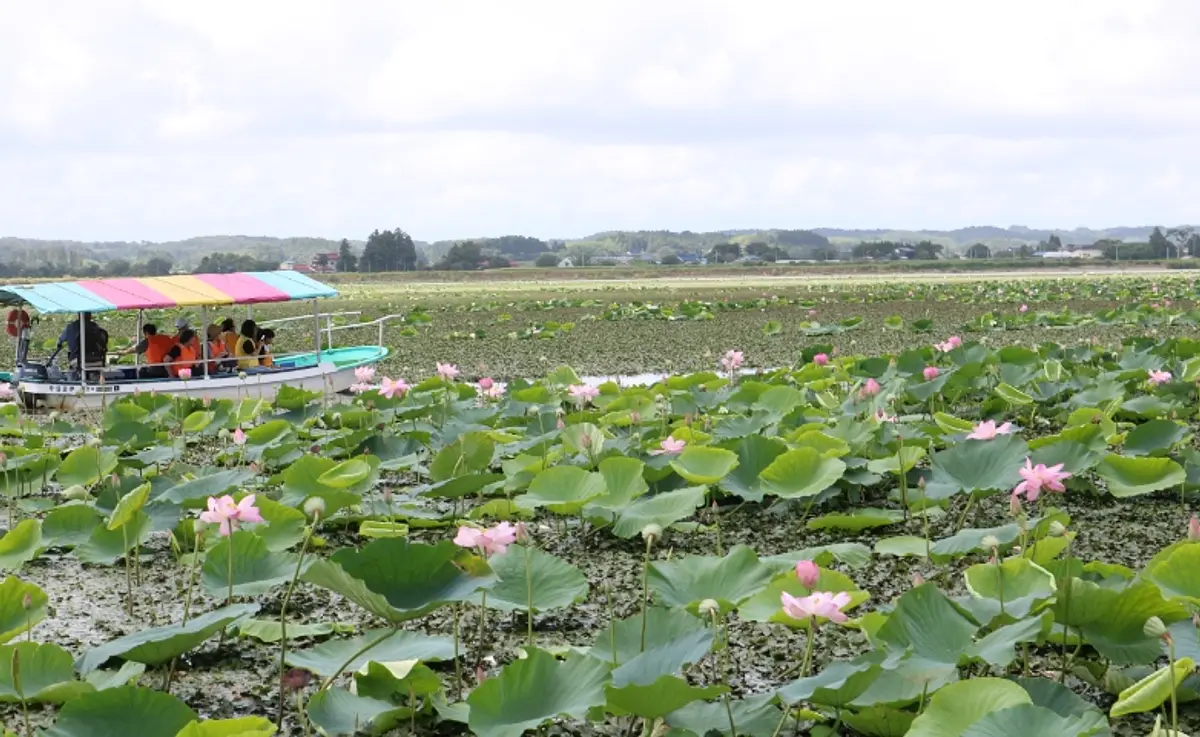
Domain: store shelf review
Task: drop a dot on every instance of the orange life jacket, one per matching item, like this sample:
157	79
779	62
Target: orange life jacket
187	359
157	347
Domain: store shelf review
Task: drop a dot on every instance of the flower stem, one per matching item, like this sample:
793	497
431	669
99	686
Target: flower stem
457	660
528	599
229	598
283	640
187	601
808	648
1174	698
482	625
645	589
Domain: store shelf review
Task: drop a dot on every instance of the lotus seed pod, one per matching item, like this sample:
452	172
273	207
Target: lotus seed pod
314	507
1154	627
990	542
652	532
709	607
76	492
1057	529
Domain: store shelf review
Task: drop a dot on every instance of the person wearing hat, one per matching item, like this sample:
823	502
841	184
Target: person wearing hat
181	327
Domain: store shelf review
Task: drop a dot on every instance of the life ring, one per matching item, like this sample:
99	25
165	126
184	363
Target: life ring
18	320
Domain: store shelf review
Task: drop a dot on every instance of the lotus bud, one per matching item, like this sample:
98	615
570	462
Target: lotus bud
990	542
1193	530
808	573
1154	627
94	442
917	578
1057	529
76	492
27	602
480	674
314	507
709	607
242	375
1014	505
635	418
198	527
652	532
223	433
522	532
295	679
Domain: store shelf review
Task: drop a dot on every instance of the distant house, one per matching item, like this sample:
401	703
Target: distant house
1084	252
566	263
324	262
293	266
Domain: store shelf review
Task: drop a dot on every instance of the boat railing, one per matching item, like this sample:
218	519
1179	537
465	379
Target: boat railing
198	368
379	323
328	318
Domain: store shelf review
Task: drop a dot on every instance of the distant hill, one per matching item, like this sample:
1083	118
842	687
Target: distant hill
989	235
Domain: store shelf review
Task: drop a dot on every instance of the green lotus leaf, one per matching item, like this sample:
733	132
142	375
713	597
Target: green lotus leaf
336	712
127	710
656	700
46	674
1029	719
954	708
974	466
255	568
345	474
470	453
1174	574
399	580
157	645
128	507
69	525
908	456
1153	438
551	581
880	721
837	685
105	546
663	509
1012	395
1010	590
729	580
197	491
270	631
755	452
622	641
857	520
1153	690
14	617
902	546
663	659
800	472
535	689
1142	475
756	715
20	544
85	466
623	483
240	727
562	490
388	646
704	465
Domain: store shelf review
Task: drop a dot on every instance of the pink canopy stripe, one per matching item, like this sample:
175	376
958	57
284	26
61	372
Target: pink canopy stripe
128	293
244	288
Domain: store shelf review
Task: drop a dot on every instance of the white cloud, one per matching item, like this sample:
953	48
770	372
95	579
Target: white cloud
168	118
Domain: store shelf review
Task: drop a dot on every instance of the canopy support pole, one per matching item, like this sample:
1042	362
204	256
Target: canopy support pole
317	330
203	338
82	358
137	357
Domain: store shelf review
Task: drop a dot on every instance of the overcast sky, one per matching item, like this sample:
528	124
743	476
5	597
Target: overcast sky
165	119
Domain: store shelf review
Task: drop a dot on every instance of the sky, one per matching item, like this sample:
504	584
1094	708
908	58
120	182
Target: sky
165	119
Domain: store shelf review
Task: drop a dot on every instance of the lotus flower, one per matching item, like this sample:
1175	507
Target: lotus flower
185	373
1160	377
869	389
821	359
6	391
447	371
817	604
491	541
881	416
732	361
1023	309
364	374
930	373
239	436
228	513
389	388
670	447
808	573
1193	530
988	429
582	393
486	383
1040	477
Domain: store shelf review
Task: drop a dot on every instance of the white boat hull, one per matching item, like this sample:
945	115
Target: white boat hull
324	377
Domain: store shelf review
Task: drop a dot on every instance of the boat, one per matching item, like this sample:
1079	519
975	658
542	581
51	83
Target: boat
96	383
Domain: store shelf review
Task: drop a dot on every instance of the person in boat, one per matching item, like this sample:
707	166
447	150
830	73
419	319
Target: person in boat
245	347
229	334
181	324
183	354
266	337
217	352
95	341
154	347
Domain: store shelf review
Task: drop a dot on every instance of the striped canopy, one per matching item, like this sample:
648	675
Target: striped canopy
158	292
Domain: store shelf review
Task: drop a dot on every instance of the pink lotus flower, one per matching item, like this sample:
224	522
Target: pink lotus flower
869	389
447	371
1040	477
185	373
808	573
1193	530
492	541
582	393
1023	309
812	313
821	359
670	447
1160	377
882	416
364	374
239	436
732	360
228	513
486	383
817	604
361	387
6	391
954	340
988	429
492	391
389	388
930	373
